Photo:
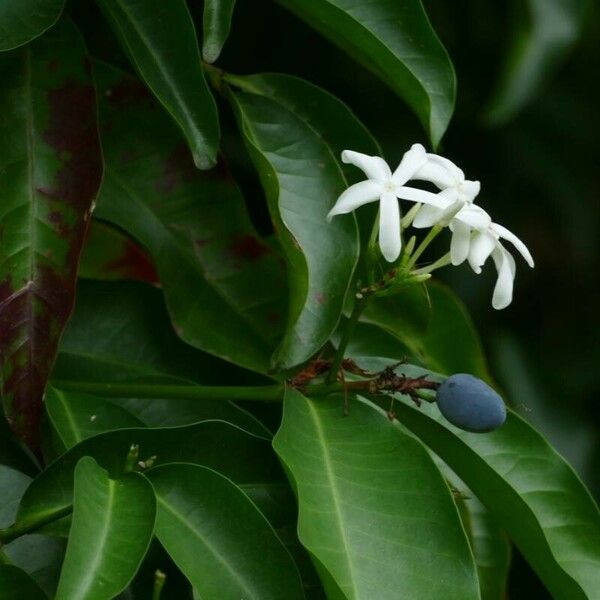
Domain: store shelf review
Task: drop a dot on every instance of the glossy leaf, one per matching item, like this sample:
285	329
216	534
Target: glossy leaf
491	549
22	21
179	411
489	544
302	181
161	41
113	523
13	484
218	538
530	492
15	583
243	457
109	255
141	346
216	24
367	493
40	556
76	417
327	115
435	327
541	34
221	281
50	171
395	40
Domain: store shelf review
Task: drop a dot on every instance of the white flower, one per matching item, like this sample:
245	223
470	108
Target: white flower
387	187
459	211
487	243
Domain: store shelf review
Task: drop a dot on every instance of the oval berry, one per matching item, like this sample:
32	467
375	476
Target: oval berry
470	403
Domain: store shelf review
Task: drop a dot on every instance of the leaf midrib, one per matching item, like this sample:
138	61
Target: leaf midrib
101	543
335	495
217	555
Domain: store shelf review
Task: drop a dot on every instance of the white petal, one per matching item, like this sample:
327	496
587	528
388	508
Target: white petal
427	216
356	195
470	190
454	171
389	227
505	265
515	241
411	162
474	216
373	167
480	249
459	246
440	200
440	171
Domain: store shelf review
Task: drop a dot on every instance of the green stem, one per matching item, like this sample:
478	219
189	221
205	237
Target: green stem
359	305
423	245
440	262
4	560
159	582
33	524
261	393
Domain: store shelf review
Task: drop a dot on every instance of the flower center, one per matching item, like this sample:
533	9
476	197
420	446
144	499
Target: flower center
389	186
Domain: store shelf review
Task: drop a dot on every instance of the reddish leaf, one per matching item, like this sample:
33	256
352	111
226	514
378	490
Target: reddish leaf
50	171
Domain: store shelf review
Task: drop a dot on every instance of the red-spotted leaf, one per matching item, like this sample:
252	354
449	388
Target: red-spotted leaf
50	170
110	255
221	281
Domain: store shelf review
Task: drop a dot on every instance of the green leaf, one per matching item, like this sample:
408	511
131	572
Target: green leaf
195	226
15	583
435	326
541	35
491	549
243	457
218	538
113	523
395	40
161	42
40	556
142	345
109	255
216	24
50	170
12	486
23	21
489	544
76	417
302	180
324	113
367	493
530	492
174	412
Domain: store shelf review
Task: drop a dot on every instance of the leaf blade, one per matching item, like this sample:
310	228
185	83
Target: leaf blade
396	41
212	541
49	177
21	22
354	503
509	470
113	522
216	24
161	42
302	181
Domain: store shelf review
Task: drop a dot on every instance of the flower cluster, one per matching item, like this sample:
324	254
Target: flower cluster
475	238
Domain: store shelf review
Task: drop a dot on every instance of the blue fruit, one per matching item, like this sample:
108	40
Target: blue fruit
470	404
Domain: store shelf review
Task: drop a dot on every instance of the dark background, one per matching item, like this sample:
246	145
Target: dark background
540	178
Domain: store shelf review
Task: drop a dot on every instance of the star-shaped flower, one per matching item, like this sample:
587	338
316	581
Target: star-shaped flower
459	212
387	187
